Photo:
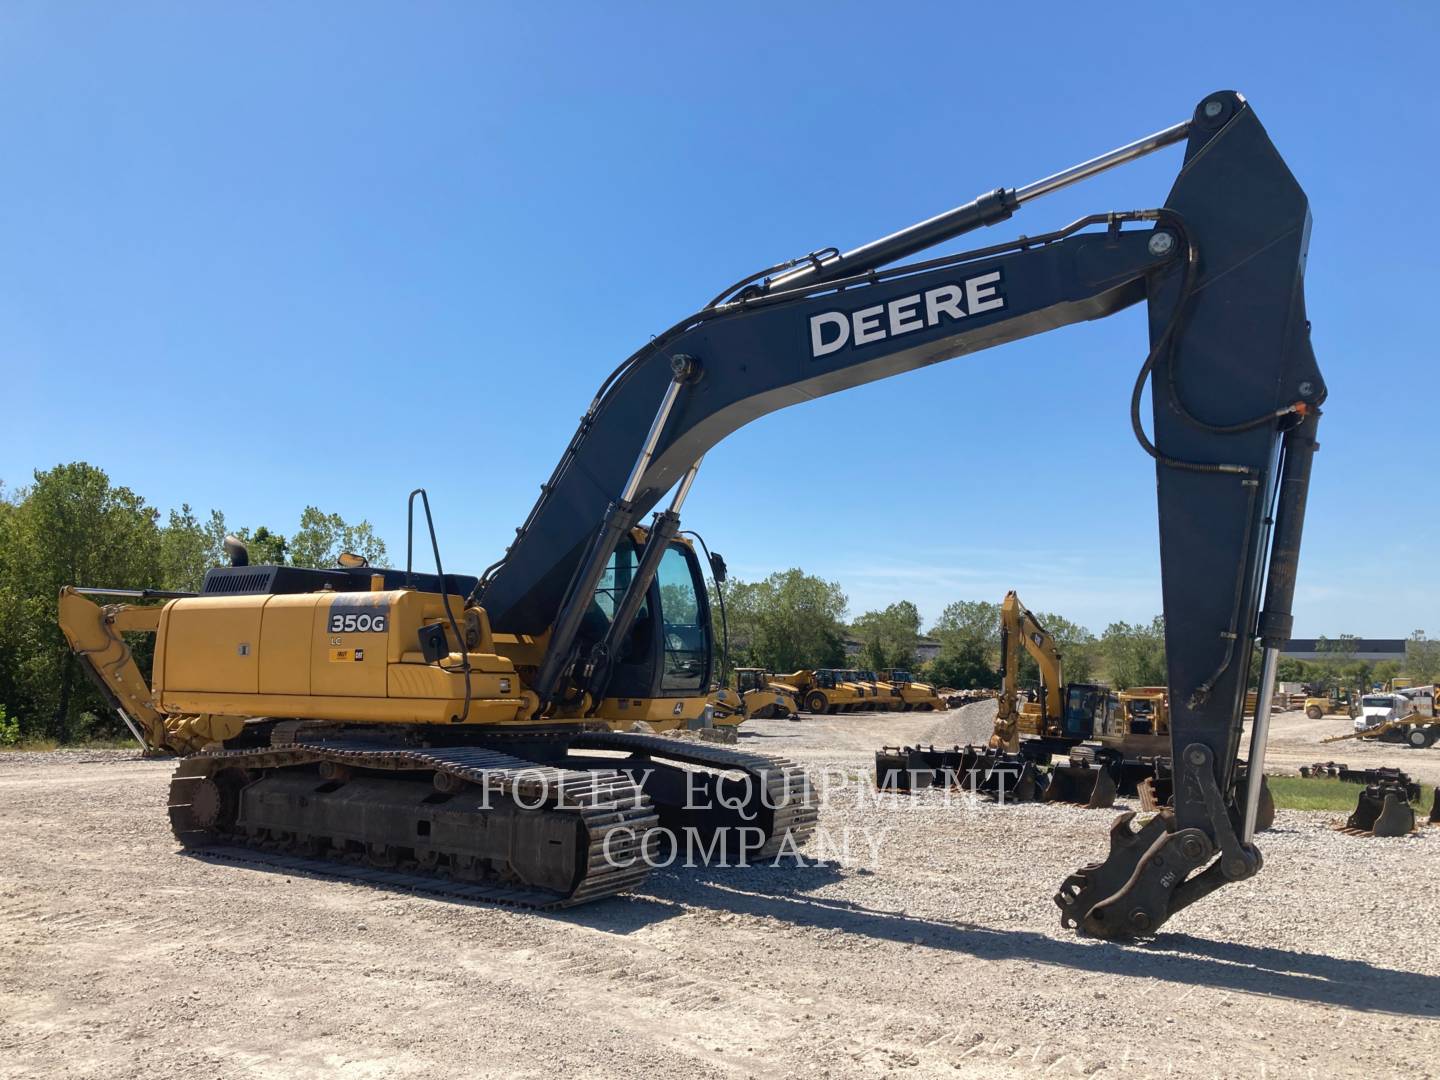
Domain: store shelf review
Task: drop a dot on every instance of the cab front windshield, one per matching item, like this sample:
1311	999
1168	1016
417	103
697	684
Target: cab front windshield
1377	702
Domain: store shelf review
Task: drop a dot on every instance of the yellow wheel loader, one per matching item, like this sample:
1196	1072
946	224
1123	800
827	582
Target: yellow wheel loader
1336	703
459	727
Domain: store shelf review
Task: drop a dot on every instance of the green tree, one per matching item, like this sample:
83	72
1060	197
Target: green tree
188	548
1135	654
1422	658
265	548
70	527
969	636
790	620
321	538
1287	670
890	636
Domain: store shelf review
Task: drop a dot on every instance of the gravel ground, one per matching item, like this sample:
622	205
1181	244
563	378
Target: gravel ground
929	946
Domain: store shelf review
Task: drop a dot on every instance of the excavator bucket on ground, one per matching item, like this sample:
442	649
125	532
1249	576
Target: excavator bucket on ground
1013	780
902	769
1082	783
1381	810
1383	775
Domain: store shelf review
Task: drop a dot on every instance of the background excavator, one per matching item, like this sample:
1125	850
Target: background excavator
462	726
1113	743
1065	714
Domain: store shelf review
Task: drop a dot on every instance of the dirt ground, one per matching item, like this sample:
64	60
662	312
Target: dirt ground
931	947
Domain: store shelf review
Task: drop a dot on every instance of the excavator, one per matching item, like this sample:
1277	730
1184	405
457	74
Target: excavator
1075	719
437	724
1065	714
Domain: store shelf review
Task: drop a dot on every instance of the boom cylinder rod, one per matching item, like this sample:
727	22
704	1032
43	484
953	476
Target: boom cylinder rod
988	209
652	439
1119	156
663	529
618	516
682	489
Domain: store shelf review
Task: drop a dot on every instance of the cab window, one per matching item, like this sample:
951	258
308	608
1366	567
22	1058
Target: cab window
686	629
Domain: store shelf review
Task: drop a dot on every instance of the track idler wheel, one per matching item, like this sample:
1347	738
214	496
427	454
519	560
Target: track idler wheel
1382	810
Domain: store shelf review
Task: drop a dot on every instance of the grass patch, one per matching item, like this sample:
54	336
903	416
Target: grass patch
1300	793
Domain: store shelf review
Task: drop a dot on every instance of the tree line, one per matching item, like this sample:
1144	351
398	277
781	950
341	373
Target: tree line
72	526
792	620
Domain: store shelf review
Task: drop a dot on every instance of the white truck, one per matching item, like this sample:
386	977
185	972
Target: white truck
1396	718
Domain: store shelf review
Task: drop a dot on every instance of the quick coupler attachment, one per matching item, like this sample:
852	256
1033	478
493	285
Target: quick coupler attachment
1147	875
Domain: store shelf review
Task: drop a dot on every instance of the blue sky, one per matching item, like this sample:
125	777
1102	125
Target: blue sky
258	256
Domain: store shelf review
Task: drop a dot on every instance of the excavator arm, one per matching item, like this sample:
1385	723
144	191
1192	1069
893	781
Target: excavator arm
1020	629
1235	401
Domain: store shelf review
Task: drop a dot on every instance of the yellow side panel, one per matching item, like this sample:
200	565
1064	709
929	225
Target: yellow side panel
349	663
212	643
286	636
662	714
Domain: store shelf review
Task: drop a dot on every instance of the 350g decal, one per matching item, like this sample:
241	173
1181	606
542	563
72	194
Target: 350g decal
359	613
363	622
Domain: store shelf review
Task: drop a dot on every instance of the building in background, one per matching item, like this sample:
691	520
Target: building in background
1371	649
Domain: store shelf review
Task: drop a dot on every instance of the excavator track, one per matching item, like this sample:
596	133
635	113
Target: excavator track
777	793
488	826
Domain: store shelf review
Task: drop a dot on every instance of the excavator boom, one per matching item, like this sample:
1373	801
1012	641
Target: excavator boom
1236	395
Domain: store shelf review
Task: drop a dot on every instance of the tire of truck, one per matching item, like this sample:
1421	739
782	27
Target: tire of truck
1419	737
815	702
1314	712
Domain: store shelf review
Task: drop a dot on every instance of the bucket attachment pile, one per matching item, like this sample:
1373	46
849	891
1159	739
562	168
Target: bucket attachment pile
1082	782
977	769
1383	809
1330	769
